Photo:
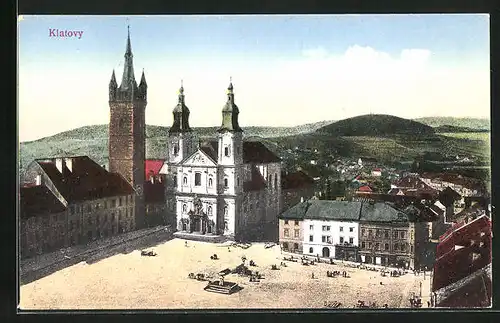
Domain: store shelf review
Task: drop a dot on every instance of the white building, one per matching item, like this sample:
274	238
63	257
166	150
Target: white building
226	187
327	226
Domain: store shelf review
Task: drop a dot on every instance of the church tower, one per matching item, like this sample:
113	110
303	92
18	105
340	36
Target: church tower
127	130
230	164
180	135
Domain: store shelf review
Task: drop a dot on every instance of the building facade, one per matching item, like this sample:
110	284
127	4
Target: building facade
72	200
291	235
228	187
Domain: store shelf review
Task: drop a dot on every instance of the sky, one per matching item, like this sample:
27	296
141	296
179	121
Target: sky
286	69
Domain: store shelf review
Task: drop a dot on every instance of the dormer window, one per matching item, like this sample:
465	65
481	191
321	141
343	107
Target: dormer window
226	151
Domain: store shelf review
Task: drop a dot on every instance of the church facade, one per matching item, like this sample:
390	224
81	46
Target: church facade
226	187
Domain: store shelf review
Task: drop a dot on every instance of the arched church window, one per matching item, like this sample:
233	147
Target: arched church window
185	180
238	181
184	208
226	226
226	151
210	182
226	183
209	210
176	150
225	210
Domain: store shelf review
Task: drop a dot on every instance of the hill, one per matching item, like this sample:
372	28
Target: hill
472	123
375	125
456	129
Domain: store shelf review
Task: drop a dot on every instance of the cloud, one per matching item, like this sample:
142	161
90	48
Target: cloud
318	85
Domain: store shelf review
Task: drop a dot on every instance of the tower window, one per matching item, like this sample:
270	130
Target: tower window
197	179
226	151
176	150
238	181
275	181
184	208
175	181
209	210
225	210
185	180
226	183
210	182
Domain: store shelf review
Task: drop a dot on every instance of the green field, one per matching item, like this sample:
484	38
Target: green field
482	136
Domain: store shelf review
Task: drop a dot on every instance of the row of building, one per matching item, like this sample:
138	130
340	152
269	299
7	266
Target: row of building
369	232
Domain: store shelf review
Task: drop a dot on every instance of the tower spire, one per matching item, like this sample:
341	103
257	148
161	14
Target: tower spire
128	78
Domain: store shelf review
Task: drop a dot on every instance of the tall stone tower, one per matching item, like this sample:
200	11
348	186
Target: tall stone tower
180	144
230	164
127	130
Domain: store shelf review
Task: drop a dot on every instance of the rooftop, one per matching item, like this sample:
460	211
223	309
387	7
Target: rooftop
38	200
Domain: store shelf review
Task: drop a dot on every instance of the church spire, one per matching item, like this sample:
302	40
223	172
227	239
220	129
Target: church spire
230	112
128	79
181	114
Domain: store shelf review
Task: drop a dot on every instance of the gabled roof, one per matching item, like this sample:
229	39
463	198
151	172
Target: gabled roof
38	200
154	192
152	167
324	210
257	181
86	180
381	212
365	188
296	180
202	155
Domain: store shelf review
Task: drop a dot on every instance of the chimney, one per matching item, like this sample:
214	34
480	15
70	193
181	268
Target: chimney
69	163
38	180
59	164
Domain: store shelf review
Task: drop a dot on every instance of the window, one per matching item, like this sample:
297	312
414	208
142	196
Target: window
285	233
120	201
386	246
209	210
395	235
402	234
285	246
89	208
411	248
296	246
176	150
197	179
226	151
370	245
341	239
210	182
351	240
175	180
403	247
363	232
323	238
225	210
386	234
370	233
184	208
113	203
275	180
363	245
377	233
296	233
329	239
377	246
327	228
286	221
311	250
311	227
226	183
351	229
296	222
226	226
396	246
341	229
237	181
323	228
185	180
311	238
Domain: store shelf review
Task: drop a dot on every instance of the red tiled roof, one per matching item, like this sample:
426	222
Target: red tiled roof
154	192
296	180
38	200
86	181
152	167
365	188
454	255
